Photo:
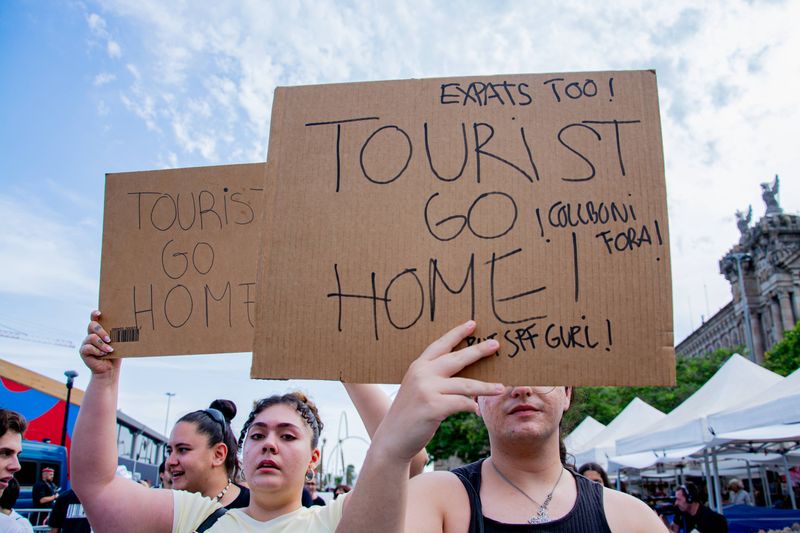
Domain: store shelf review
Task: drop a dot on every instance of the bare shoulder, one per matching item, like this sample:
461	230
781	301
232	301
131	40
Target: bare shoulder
437	502
626	514
434	486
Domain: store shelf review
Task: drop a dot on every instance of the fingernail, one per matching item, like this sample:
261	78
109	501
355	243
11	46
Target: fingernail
109	349
491	343
107	338
469	323
499	387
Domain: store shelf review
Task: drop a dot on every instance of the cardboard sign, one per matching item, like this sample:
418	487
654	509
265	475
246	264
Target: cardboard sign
534	204
180	257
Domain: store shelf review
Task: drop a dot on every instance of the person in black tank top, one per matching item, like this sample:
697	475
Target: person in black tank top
586	516
522	481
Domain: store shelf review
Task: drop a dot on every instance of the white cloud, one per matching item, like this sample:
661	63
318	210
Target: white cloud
134	71
96	23
42	254
192	140
99	29
104	78
113	49
139	102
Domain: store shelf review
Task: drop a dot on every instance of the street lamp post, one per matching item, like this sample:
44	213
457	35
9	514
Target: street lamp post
748	330
166	419
71	375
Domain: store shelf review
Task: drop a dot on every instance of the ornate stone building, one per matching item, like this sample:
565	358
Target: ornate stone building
766	263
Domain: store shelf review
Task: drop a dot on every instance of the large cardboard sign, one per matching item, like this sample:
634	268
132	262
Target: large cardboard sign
180	257
534	204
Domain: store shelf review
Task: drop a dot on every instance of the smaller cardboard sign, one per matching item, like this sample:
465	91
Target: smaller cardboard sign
180	257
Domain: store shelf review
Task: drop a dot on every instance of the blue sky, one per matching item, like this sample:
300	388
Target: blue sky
121	85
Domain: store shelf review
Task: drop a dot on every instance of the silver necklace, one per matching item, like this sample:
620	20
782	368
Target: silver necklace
541	515
222	492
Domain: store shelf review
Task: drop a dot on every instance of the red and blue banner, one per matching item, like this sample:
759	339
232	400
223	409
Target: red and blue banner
45	413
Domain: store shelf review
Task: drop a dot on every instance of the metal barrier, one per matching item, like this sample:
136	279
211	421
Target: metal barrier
37	517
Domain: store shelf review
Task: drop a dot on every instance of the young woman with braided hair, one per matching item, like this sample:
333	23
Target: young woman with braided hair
279	449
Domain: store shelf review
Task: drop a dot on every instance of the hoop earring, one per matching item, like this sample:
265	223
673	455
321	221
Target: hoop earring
309	475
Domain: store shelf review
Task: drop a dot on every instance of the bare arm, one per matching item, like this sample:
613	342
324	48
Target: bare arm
630	515
437	502
429	393
48	499
372	405
112	503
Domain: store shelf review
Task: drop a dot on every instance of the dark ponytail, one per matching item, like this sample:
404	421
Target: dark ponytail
215	423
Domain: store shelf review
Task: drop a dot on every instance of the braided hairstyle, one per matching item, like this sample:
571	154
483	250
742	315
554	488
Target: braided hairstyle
209	424
301	403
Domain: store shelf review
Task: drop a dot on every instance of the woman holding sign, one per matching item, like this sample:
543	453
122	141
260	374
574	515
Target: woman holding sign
279	443
202	453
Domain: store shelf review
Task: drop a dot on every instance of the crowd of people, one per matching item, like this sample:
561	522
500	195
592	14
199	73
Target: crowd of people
263	481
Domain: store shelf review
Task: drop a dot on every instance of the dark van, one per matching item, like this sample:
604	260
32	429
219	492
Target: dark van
34	457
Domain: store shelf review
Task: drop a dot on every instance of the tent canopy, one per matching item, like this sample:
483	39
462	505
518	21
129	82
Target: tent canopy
646	459
685	426
780	404
636	415
582	433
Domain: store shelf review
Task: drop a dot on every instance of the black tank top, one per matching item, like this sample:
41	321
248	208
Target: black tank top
587	516
242	500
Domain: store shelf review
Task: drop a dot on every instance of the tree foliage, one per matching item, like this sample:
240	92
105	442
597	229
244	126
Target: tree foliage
464	435
784	358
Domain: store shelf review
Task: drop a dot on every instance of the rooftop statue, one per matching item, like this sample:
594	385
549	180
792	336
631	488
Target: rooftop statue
770	195
742	220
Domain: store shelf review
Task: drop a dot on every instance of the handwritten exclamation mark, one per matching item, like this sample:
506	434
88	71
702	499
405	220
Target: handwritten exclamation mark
611	89
539	220
575	265
658	235
658	232
541	227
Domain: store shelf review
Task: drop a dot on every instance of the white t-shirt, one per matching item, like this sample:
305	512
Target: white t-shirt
14	523
191	509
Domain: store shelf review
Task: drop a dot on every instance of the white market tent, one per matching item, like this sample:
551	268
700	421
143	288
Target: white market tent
582	433
636	415
777	406
684	430
768	426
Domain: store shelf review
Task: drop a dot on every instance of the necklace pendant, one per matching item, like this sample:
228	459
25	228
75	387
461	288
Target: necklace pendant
540	517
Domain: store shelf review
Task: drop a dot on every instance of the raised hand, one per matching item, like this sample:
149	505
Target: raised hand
429	392
95	348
